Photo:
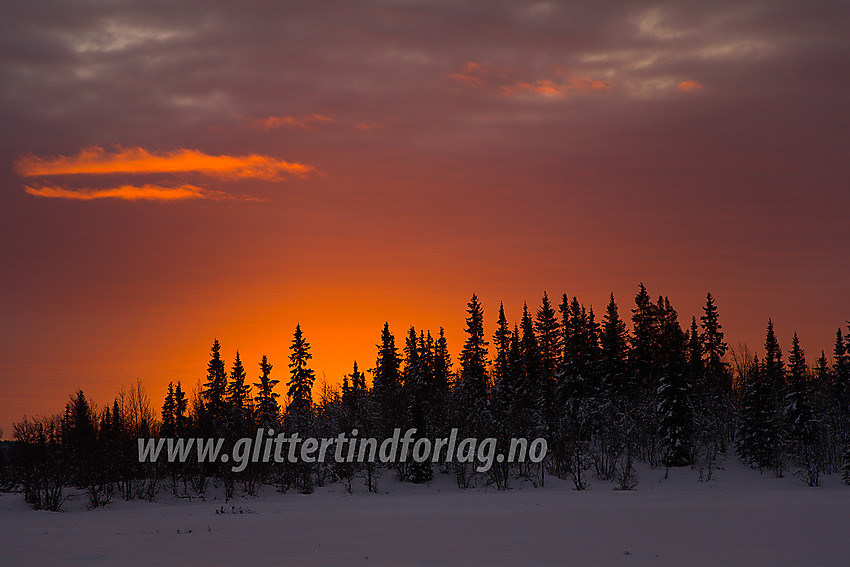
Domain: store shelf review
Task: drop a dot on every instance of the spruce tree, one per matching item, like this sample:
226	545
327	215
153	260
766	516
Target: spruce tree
577	412
442	385
825	412
774	374
712	406
578	376
503	394
644	347
670	335
646	365
471	392
566	330
299	412
168	427
695	349
548	340
502	343
411	353
267	406
427	365
420	390
239	398
840	389
592	349
386	385
301	377
354	393
614	419
530	387
759	440
442	364
473	383
79	435
841	399
714	348
676	418
675	392
415	381
797	409
614	341
215	391
823	374
773	365
805	434
181	406
840	359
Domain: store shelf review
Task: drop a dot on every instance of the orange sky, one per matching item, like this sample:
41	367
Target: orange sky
175	175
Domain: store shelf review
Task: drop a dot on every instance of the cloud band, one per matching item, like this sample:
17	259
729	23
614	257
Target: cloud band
95	160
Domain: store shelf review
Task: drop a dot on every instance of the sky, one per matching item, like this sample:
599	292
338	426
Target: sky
175	172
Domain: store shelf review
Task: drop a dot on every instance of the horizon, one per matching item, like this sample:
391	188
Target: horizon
104	397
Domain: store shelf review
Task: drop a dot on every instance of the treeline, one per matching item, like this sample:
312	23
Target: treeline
603	396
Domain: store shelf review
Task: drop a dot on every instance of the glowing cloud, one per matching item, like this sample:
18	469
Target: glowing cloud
587	84
504	80
689	86
544	88
95	160
552	89
272	122
129	193
472	75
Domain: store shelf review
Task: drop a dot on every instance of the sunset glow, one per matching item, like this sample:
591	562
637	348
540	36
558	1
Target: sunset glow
202	170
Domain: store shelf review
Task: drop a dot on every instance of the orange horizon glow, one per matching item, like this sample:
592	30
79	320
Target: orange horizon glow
174	354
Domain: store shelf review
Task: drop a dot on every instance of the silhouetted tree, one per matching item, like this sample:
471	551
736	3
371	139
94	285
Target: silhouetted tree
614	341
713	346
473	382
181	406
300	409
548	340
471	400
301	376
265	402
760	441
215	393
386	385
169	426
238	399
502	344
805	433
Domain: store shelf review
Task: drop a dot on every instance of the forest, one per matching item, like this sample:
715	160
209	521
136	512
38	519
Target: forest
605	395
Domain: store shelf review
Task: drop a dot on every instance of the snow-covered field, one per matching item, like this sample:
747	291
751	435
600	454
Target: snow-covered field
740	518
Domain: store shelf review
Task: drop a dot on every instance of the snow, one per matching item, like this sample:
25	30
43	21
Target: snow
740	518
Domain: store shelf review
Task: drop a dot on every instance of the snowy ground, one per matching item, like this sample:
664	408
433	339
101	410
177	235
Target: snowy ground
741	518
